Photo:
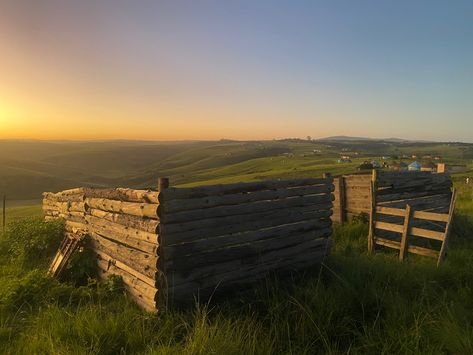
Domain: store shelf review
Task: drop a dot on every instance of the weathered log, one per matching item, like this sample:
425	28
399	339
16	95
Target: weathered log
131	270
144	241
142	262
123	194
141	223
138	298
182	232
136	209
129	279
194	247
173	193
249	208
283	240
245	268
244	197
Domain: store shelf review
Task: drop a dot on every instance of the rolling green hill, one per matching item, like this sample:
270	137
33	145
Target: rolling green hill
27	168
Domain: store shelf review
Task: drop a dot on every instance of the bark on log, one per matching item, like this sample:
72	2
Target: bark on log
142	262
244	268
255	249
136	209
181	232
140	223
173	193
194	247
134	238
244	197
124	194
319	202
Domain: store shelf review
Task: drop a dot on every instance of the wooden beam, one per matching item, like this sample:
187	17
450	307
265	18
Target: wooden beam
448	228
389	226
405	232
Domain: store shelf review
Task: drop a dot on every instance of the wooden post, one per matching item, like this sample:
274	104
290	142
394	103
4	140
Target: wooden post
405	233
4	213
342	197
162	298
448	228
373	188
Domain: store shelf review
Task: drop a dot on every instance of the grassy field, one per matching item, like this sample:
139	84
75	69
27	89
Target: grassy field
354	303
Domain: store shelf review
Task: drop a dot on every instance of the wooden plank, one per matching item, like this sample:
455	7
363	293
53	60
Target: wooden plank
425	233
389	227
387	243
244	197
431	216
173	193
319	202
405	233
448	227
136	209
391	211
422	251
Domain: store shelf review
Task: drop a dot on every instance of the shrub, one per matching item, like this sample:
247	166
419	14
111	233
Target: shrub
32	242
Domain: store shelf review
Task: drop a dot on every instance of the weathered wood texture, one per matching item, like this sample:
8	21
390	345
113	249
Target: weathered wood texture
175	244
403	234
122	226
421	190
215	237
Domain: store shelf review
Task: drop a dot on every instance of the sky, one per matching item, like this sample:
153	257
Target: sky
172	70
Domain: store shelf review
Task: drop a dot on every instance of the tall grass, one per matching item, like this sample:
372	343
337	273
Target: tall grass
354	303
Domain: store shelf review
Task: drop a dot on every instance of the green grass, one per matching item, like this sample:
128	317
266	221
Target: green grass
355	303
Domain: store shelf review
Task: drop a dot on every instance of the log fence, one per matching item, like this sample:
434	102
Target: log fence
173	245
421	190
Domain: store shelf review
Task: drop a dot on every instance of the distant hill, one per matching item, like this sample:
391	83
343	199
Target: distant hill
27	168
349	138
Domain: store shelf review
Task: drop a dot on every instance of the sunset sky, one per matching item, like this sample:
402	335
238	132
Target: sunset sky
107	69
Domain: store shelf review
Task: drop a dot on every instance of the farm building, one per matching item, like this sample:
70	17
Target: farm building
401	166
429	166
415	166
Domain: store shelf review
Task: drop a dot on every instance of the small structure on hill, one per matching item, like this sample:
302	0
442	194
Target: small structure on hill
429	166
401	166
415	166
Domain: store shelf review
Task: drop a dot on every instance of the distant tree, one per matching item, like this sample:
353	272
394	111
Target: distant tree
309	138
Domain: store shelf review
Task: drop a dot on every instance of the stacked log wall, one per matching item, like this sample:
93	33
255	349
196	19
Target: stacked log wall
227	235
121	225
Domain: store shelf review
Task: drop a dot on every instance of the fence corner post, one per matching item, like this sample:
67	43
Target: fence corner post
373	189
162	298
405	233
